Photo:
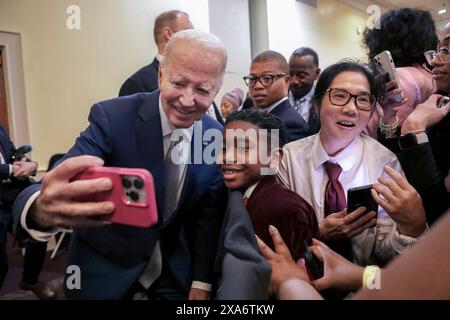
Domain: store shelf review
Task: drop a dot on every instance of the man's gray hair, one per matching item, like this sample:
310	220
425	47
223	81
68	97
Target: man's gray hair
203	42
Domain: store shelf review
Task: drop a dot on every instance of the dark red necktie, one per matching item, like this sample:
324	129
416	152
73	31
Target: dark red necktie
334	193
334	202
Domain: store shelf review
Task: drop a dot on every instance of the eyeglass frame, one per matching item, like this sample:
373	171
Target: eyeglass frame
272	79
437	54
350	97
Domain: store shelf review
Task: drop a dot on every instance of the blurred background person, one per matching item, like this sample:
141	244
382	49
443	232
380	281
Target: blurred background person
304	71
146	78
231	101
407	33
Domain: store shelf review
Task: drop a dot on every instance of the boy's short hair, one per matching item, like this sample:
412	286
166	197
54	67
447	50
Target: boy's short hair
263	120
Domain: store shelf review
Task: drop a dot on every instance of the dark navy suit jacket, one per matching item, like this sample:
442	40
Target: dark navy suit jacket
8	149
296	126
126	132
143	80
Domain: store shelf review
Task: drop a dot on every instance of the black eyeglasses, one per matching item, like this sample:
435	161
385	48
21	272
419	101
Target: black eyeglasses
340	97
266	80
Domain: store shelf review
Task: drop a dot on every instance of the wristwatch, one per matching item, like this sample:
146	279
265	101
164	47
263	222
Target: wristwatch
411	140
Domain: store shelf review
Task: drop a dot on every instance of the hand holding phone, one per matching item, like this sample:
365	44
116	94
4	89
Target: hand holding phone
385	64
313	264
361	197
133	195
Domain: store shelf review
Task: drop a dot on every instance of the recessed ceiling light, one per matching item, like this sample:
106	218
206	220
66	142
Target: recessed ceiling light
442	11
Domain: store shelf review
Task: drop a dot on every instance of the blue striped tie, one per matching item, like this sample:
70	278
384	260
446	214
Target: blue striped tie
171	172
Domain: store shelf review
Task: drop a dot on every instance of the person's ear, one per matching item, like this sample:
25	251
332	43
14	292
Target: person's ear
288	79
160	76
318	73
167	33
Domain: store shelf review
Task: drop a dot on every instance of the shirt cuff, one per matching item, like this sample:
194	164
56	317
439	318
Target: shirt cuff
35	234
400	242
201	285
10	170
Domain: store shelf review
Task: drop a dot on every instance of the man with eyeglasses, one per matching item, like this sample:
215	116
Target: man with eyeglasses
304	71
268	84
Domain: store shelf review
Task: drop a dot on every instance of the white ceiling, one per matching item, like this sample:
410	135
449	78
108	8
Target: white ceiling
431	5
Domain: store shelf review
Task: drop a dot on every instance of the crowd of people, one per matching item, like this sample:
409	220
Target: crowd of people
245	226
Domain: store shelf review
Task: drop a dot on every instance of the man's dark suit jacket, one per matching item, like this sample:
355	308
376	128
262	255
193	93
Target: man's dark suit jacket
8	151
245	273
143	80
296	126
126	132
273	204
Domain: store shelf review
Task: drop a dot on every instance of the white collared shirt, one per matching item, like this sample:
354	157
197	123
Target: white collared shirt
272	106
249	191
362	162
302	105
211	112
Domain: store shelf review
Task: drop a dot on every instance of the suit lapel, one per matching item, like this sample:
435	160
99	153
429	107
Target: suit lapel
279	108
5	145
155	64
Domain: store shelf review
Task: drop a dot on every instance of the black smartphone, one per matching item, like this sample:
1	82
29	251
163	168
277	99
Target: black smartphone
442	101
313	264
361	197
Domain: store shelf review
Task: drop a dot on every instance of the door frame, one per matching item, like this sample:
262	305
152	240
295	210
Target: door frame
10	43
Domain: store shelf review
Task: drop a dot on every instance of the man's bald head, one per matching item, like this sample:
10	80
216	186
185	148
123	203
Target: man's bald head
167	24
272	56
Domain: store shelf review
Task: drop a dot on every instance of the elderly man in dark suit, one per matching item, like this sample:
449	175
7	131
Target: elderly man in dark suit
146	78
173	259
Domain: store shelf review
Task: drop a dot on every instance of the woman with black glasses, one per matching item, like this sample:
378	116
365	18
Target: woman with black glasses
323	167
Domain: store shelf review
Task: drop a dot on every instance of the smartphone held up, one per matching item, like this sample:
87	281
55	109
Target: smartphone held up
133	194
385	64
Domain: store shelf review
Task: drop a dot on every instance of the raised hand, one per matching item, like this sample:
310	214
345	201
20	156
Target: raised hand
55	205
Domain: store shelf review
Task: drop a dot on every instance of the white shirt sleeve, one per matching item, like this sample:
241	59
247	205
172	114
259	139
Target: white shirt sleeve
42	236
201	285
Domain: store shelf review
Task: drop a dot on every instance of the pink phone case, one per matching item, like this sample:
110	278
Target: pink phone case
133	194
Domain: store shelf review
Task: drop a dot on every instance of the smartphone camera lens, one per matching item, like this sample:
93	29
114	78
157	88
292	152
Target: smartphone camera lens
126	183
138	184
134	196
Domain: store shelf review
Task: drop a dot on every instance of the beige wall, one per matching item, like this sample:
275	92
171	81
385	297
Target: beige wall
330	29
67	71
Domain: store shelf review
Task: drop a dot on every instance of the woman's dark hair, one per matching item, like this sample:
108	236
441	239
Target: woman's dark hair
263	120
407	33
327	76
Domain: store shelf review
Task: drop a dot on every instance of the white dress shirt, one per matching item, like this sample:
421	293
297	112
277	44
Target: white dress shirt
362	162
272	106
